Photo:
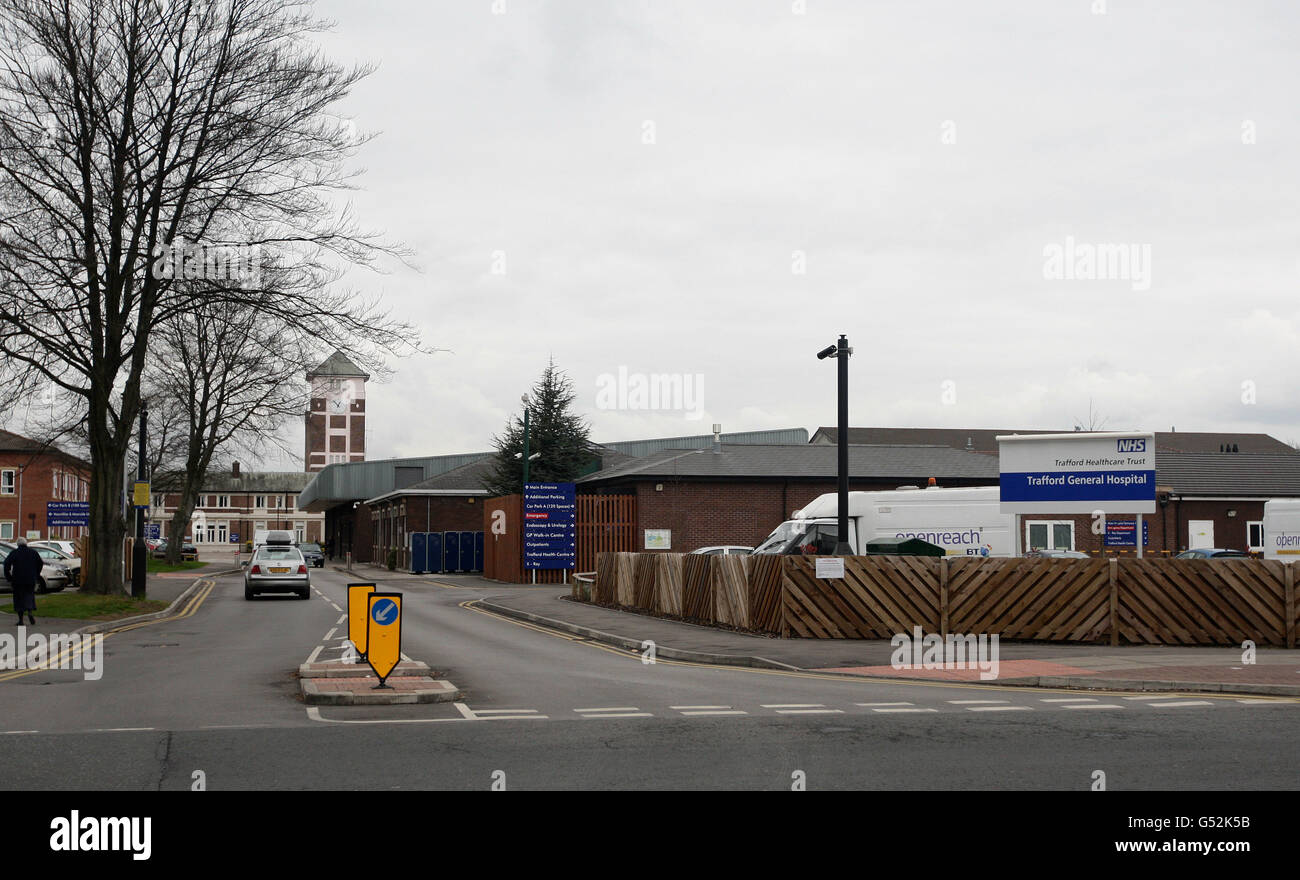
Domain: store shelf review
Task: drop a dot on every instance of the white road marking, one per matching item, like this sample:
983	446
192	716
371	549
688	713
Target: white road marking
1255	702
718	712
117	729
883	704
610	709
904	710
975	702
329	635
503	711
336	608
1181	703
9	732
1069	699
1092	706
342	619
998	709
792	705
465	710
810	711
314	714
314	654
620	715
1153	697
699	707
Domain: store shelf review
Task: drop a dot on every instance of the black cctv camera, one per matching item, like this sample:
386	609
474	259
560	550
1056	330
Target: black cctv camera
826	352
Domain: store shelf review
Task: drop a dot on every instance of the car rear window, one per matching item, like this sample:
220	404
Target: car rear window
276	552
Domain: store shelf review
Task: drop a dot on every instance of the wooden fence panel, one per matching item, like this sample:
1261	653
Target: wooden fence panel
878	597
1202	601
624	579
643	582
668	583
731	591
765	575
604	591
1041	599
697	588
605	524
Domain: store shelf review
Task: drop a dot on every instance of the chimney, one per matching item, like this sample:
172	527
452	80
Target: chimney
234	469
717	439
970	447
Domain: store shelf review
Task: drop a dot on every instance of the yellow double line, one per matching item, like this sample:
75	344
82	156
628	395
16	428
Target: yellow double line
65	656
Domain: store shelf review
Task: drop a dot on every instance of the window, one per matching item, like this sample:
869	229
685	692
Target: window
337	458
1255	535
8	479
300	529
260	502
223	501
55	490
261	526
6	531
1049	535
202	501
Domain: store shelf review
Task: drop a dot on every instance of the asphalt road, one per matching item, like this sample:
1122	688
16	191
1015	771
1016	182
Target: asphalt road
215	692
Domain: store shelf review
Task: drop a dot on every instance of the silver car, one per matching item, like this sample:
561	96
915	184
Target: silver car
277	568
54	575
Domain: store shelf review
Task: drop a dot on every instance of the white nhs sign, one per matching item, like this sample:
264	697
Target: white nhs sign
1131	445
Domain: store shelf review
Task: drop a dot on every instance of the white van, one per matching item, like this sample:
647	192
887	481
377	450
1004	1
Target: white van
1282	529
965	522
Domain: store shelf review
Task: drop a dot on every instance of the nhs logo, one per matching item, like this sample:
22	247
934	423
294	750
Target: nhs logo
1131	445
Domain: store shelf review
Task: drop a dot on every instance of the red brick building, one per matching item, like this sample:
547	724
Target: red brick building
449	502
733	494
241	504
32	474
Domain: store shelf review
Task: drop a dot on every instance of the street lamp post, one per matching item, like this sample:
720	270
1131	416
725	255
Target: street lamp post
524	398
138	581
841	352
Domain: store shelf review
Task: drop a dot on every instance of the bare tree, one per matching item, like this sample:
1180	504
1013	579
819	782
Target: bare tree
141	143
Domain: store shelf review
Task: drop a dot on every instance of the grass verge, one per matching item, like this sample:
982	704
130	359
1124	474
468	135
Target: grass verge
89	606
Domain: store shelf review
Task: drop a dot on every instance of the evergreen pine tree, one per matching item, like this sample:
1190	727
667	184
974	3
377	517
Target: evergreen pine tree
559	435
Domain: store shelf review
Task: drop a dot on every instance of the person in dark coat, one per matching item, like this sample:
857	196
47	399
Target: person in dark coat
23	569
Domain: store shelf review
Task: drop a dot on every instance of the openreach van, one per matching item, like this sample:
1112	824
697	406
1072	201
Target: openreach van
1282	529
964	522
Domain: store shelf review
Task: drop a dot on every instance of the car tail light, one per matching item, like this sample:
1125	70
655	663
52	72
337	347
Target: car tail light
302	569
256	569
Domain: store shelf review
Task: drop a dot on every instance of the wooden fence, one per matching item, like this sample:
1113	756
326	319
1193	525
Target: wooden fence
1115	601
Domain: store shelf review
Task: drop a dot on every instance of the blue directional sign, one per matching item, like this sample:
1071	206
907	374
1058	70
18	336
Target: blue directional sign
1121	533
550	525
67	513
153	530
384	612
234	537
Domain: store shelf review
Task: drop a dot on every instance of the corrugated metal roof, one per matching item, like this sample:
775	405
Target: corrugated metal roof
247	481
807	461
1214	473
338	483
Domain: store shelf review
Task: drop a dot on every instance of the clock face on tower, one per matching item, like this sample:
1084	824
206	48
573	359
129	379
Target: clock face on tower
338	405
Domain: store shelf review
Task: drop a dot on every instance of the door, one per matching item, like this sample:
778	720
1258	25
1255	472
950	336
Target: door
1200	533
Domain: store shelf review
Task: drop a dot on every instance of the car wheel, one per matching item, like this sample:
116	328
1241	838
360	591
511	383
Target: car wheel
305	594
40	586
248	593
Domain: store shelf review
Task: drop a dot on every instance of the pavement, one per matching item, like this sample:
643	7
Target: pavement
1275	671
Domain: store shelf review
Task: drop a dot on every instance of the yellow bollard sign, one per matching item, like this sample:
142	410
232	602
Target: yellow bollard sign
384	634
357	611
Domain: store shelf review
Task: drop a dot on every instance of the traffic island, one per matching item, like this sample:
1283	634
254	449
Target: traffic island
336	683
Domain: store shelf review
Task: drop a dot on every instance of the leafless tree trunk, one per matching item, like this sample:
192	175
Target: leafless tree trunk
140	142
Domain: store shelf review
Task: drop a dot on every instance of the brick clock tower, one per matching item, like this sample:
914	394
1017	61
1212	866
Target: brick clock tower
336	419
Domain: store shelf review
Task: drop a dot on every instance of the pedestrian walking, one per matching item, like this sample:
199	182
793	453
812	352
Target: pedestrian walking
22	570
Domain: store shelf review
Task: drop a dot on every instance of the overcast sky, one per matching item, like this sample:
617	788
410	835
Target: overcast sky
717	190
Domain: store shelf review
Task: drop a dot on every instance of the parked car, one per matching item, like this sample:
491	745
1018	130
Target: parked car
313	554
68	547
189	553
277	568
1057	554
1212	553
54	554
54	576
724	550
